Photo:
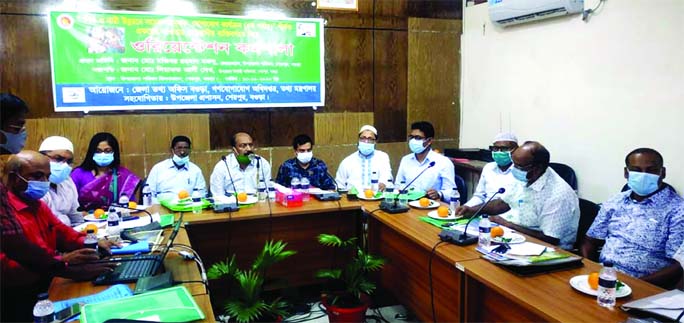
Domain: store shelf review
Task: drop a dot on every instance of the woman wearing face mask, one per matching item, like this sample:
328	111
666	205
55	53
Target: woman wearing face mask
62	197
100	179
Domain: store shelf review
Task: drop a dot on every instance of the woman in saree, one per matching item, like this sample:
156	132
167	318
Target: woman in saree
100	179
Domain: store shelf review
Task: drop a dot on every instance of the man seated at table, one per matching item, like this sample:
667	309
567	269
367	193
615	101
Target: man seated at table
304	165
640	229
176	173
438	181
356	169
240	171
496	174
540	203
62	197
27	182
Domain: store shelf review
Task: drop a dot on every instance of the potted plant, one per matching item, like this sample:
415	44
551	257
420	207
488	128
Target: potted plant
246	303
348	287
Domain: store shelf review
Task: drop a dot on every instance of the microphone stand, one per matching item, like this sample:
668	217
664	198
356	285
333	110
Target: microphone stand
464	239
334	196
227	207
394	207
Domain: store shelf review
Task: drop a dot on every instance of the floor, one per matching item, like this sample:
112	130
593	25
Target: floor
395	313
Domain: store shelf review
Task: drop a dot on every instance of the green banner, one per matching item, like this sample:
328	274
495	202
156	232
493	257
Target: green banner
136	60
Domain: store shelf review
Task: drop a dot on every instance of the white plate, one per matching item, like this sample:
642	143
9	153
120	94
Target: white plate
416	204
581	284
515	238
361	196
433	214
92	218
251	199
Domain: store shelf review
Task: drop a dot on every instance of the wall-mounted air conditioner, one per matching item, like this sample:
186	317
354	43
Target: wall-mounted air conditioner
512	12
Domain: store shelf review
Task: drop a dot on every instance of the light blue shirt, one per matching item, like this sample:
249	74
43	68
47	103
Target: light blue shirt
439	177
492	179
641	237
243	180
166	180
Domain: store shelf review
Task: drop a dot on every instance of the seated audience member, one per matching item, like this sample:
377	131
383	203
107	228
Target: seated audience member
356	169
540	204
177	173
640	229
240	171
12	130
438	181
100	179
305	165
27	182
62	198
496	174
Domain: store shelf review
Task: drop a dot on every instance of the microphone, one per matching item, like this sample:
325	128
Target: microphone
229	175
464	239
394	207
334	196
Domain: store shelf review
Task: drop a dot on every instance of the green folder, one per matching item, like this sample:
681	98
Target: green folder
174	304
182	207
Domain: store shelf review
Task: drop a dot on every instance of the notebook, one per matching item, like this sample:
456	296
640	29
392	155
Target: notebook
135	267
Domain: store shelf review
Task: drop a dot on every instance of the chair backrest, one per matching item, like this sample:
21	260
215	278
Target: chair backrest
588	212
138	189
566	172
462	189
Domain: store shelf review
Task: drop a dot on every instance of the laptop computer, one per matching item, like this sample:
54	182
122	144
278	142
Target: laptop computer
132	268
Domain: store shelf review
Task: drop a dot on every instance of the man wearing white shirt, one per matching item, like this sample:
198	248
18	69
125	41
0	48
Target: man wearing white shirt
496	174
240	171
177	173
356	169
438	180
62	198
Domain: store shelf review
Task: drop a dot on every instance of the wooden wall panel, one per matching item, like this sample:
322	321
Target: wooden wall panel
433	91
391	14
286	124
224	124
391	63
443	9
348	68
340	128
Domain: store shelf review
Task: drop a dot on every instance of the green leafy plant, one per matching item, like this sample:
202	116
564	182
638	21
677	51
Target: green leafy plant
246	303
349	283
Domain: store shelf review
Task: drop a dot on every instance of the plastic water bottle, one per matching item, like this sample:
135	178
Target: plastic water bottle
294	183
147	195
454	201
196	201
605	295
90	240
375	180
123	202
389	191
113	227
485	238
305	184
271	191
403	198
44	310
261	190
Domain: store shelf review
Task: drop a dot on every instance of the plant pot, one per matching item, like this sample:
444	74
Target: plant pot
346	314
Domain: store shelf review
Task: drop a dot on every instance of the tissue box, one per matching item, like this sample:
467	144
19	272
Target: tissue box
289	198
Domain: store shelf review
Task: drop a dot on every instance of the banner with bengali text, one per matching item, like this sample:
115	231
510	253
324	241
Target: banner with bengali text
114	60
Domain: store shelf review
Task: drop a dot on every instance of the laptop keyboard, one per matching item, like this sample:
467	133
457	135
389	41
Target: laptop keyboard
130	270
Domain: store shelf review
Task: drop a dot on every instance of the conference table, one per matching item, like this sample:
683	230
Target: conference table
468	288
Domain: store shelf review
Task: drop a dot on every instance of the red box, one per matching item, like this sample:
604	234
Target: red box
289	198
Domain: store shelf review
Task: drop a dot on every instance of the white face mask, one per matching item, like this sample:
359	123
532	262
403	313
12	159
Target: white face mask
305	158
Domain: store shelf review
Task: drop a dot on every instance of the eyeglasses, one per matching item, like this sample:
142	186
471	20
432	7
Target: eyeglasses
61	159
367	140
106	151
501	148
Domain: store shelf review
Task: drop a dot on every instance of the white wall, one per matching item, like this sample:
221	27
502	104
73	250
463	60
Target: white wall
589	91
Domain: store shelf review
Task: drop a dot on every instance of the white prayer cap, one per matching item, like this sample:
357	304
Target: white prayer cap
369	128
56	143
506	136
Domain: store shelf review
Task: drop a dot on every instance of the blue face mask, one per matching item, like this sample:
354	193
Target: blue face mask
59	172
643	184
520	175
366	148
180	160
103	159
502	158
14	141
416	146
35	189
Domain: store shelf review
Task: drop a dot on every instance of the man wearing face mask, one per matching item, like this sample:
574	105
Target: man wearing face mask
27	182
438	180
240	171
12	131
62	197
642	228
498	173
356	169
304	165
540	203
177	173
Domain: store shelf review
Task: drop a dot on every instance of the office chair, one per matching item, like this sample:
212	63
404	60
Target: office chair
567	173
588	212
462	189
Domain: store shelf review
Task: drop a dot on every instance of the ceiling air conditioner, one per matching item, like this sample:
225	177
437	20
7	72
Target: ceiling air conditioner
512	12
